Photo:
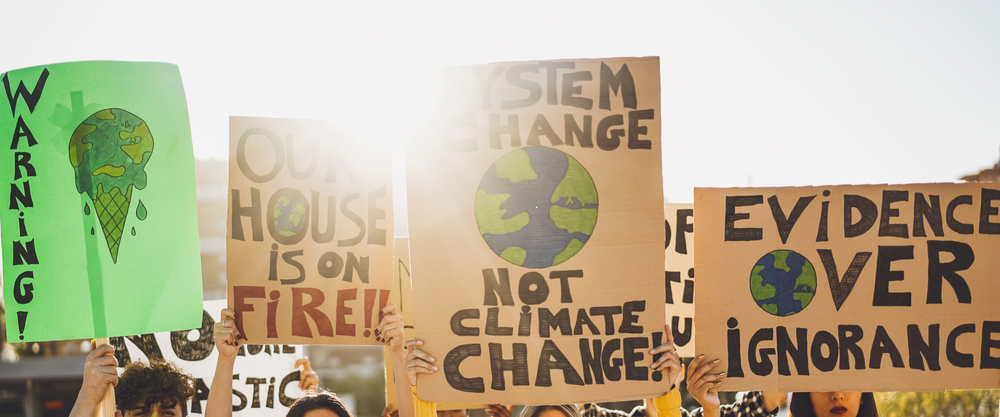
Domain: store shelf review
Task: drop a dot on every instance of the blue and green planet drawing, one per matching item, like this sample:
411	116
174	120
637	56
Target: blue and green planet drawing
783	282
536	207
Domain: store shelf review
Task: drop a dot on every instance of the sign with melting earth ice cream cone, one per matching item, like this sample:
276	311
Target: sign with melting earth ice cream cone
103	236
94	150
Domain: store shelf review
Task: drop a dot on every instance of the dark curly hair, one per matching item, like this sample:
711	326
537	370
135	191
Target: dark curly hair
317	400
141	385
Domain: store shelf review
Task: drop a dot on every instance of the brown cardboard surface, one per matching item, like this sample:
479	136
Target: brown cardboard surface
679	277
921	314
459	168
325	278
403	297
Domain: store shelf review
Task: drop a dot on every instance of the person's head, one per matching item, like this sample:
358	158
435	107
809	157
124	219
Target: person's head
319	404
453	413
563	410
833	404
157	388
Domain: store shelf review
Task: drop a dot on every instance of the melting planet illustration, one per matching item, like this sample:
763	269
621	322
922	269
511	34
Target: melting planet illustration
109	151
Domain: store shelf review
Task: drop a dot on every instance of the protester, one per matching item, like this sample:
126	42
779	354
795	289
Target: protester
494	410
562	410
154	389
319	403
833	404
316	402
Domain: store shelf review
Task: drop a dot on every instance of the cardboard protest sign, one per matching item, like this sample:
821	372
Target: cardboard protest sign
679	274
402	295
99	229
309	253
851	288
535	212
265	382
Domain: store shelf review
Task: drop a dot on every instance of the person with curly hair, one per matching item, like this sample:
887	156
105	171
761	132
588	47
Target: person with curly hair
157	389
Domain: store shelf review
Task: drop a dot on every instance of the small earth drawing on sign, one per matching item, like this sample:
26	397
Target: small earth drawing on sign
289	216
536	207
783	282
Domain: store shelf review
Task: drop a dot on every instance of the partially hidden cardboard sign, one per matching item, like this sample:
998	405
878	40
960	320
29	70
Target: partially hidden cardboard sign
679	274
265	381
99	223
851	288
536	233
309	249
402	295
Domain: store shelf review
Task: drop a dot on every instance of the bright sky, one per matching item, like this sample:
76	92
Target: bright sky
755	93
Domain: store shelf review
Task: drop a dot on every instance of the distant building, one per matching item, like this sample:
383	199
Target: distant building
212	184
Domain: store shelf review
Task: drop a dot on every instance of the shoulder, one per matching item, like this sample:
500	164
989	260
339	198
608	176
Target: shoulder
751	405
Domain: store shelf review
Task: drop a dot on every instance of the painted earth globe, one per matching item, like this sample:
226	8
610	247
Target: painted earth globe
289	216
783	282
536	207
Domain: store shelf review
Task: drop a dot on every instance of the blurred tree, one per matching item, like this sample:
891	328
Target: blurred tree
946	404
988	174
368	392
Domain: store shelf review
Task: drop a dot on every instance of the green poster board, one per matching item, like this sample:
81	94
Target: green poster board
99	226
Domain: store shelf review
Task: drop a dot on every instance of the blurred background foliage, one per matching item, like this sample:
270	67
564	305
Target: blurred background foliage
933	404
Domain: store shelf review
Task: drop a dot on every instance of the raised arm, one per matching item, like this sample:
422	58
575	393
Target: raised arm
390	331
419	362
669	363
309	380
100	373
704	385
220	396
751	405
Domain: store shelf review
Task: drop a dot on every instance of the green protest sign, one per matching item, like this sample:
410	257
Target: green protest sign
99	231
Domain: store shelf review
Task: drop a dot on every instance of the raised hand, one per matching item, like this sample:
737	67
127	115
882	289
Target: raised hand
704	384
309	380
497	410
99	374
669	361
418	361
390	329
226	336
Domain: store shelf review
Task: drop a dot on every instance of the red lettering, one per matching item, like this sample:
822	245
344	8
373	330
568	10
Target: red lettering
344	329
300	325
241	293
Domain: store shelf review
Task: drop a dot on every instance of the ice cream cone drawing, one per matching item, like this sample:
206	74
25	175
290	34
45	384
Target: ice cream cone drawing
109	151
